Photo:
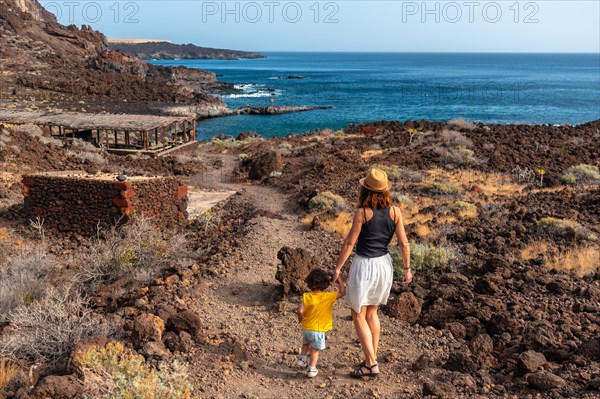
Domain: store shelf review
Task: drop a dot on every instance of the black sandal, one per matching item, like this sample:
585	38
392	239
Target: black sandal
358	373
363	364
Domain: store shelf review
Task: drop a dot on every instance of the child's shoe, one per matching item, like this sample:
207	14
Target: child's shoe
311	371
301	363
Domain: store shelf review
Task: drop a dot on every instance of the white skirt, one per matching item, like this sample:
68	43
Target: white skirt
369	281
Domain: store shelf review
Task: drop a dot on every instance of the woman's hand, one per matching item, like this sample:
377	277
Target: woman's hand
407	277
336	277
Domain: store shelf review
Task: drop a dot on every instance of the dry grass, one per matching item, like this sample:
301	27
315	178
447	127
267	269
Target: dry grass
135	250
422	230
25	279
580	261
371	153
341	224
446	219
535	249
490	183
48	329
8	372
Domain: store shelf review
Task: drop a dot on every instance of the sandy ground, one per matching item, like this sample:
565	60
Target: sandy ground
254	339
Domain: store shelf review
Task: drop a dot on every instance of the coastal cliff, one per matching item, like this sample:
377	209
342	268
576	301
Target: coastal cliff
156	50
52	66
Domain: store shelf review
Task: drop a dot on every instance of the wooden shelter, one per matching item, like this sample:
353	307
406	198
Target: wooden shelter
119	133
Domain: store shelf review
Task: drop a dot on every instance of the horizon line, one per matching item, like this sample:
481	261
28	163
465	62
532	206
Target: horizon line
424	52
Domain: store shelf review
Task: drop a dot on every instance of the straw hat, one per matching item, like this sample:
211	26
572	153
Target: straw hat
376	181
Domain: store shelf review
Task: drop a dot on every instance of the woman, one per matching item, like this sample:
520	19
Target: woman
371	273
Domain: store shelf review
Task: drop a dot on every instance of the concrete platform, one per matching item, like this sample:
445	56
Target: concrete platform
199	201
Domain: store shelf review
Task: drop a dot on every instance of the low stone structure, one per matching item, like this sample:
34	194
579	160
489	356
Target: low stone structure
73	202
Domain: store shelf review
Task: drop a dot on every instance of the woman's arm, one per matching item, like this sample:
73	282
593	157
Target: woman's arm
349	243
404	246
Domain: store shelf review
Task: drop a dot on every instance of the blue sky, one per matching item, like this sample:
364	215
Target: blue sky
356	25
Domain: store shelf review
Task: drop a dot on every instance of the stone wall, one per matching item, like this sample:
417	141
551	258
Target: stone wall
76	203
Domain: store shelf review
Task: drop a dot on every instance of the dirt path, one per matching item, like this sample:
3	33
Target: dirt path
253	341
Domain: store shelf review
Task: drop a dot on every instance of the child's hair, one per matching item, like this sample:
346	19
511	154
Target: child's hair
318	279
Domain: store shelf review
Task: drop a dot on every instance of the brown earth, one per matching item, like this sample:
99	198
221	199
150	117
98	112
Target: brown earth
491	325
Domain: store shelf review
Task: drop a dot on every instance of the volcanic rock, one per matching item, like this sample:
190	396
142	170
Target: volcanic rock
187	321
462	361
263	164
147	327
439	389
59	387
545	381
405	307
295	265
530	361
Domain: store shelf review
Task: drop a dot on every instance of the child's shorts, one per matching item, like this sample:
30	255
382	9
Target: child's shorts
315	338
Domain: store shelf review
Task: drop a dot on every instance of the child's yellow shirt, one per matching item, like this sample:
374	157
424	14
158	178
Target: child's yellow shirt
318	315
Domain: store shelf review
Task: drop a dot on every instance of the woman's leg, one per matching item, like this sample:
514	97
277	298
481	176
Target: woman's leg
374	326
364	336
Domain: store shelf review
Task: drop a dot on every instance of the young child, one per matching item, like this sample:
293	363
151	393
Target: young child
315	313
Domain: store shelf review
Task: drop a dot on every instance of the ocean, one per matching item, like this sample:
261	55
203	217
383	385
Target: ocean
362	87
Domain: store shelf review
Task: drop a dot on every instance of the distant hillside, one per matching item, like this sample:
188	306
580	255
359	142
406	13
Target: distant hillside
48	63
170	51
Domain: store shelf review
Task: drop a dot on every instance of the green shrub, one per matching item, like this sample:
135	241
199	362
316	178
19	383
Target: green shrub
424	257
49	329
453	139
135	250
401	198
569	178
437	188
24	278
582	173
462	123
459	155
286	146
114	372
275	174
565	228
461	206
393	171
327	202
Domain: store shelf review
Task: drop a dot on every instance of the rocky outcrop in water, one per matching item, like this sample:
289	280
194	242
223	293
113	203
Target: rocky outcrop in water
276	109
171	51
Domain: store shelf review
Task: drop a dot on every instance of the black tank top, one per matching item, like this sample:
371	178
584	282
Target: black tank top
376	234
